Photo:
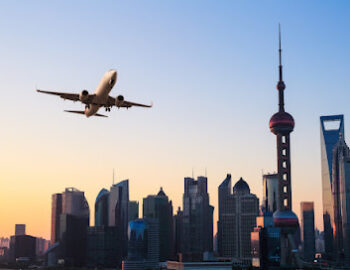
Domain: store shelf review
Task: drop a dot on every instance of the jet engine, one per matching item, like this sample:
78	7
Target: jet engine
83	96
119	101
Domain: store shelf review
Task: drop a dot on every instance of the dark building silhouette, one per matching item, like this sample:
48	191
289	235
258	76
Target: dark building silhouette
133	211
237	218
307	230
22	246
197	227
331	126
178	231
69	228
160	208
118	215
101	208
102	247
143	245
20	229
56	211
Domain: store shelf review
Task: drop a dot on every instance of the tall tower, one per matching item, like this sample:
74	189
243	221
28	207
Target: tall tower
282	124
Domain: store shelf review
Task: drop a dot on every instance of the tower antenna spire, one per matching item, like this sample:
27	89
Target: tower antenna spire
280	52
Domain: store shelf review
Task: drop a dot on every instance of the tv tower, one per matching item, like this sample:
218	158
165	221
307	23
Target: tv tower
282	124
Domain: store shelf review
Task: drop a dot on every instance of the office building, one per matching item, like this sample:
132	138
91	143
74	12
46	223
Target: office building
41	246
270	192
56	211
133	210
118	214
265	243
70	220
143	245
307	230
159	207
101	208
341	200
331	127
197	227
20	229
238	210
178	232
102	247
22	246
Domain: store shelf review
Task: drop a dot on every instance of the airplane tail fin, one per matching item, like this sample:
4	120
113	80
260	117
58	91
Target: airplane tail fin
82	112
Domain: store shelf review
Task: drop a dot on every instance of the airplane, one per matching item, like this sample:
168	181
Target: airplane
101	98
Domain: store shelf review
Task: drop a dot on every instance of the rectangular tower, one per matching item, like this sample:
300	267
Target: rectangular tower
56	211
307	230
330	127
20	229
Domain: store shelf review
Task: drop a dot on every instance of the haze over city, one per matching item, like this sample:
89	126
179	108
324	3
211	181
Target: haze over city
211	71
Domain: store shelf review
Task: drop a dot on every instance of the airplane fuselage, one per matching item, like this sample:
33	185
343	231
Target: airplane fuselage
102	92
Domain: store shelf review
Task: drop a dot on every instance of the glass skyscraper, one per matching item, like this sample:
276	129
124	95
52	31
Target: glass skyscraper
101	208
331	126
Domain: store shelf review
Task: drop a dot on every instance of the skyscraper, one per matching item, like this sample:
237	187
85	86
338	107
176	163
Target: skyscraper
237	218
160	208
331	127
70	220
282	124
118	213
56	211
307	230
143	246
341	200
20	229
101	208
133	211
270	192
197	227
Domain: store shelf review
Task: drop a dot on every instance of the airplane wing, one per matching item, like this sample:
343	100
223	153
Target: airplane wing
70	96
125	103
82	112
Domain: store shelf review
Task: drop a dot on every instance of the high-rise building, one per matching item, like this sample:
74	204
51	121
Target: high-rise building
118	214
178	231
70	220
341	200
22	246
143	246
20	229
133	210
160	208
282	124
56	211
331	127
270	192
307	230
101	208
238	210
197	224
102	247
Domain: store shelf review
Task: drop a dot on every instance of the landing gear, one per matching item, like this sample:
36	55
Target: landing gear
108	109
87	106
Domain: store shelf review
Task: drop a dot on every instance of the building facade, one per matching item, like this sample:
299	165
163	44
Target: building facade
197	227
101	208
237	218
143	245
331	126
133	210
20	229
160	208
307	230
119	214
270	193
56	211
341	200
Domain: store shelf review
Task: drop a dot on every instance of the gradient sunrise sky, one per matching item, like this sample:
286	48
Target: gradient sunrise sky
210	67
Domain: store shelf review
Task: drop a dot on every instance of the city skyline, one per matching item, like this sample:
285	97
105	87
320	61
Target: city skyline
211	71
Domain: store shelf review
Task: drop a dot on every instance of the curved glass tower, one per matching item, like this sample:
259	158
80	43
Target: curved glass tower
101	208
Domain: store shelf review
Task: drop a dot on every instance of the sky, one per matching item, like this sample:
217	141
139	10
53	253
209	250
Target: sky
210	68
